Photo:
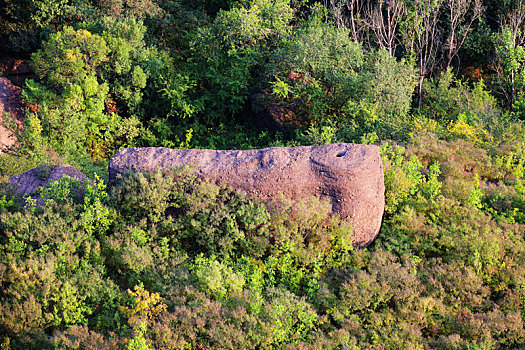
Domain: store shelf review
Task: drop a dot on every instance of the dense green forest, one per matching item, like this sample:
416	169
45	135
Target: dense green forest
168	261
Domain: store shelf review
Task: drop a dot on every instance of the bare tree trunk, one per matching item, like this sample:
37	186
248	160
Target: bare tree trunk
451	48
353	7
422	37
459	10
420	84
349	14
386	29
514	21
389	27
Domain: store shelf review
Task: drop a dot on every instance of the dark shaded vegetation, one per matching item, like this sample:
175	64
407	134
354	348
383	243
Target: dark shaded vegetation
166	261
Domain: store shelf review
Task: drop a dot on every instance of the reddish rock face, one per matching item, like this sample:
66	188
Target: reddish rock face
17	70
351	176
9	103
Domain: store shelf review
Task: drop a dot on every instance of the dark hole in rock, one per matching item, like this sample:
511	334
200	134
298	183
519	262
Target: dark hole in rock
341	154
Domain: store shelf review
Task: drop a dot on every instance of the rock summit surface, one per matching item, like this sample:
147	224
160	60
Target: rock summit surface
350	175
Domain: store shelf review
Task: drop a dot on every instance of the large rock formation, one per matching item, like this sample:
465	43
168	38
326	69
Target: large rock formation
30	182
350	175
9	103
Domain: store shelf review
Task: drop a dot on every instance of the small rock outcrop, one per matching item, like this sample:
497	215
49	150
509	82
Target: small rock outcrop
9	103
16	70
29	183
350	175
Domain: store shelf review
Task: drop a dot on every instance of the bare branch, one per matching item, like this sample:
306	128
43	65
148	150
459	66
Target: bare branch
384	22
460	23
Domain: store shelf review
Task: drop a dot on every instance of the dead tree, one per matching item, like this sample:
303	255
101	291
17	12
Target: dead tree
384	19
462	13
349	14
514	20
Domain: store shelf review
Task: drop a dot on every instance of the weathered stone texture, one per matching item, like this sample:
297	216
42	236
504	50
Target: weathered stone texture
350	175
29	182
11	103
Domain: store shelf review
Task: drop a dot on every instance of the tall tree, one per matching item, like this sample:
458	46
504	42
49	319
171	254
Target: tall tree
422	36
509	64
384	19
350	14
462	13
514	19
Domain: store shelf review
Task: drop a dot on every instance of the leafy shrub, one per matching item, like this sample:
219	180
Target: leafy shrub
447	98
216	278
228	51
65	281
291	319
199	216
147	195
331	78
81	337
94	79
146	306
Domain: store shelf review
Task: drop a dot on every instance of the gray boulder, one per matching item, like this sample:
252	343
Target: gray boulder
350	175
31	182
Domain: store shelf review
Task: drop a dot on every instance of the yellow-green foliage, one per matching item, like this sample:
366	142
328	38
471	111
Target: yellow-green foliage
204	266
475	134
146	306
217	279
167	261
